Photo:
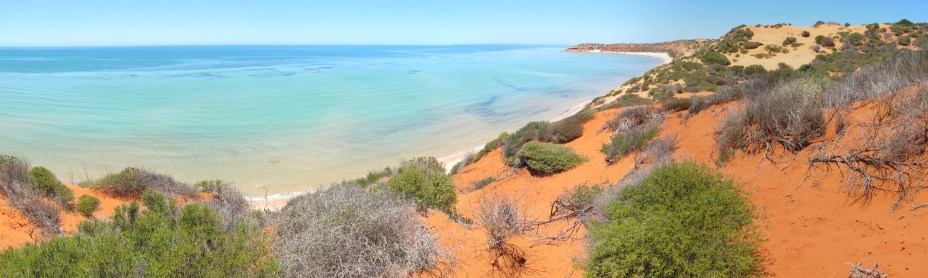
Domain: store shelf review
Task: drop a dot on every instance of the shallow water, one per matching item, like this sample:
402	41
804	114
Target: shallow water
287	118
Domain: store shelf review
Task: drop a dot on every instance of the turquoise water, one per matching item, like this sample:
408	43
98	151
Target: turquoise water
287	118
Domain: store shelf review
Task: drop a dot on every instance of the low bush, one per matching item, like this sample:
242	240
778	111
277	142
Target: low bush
570	128
819	38
904	41
676	104
856	39
789	41
684	203
483	183
347	231
806	34
132	182
716	58
502	217
15	185
790	114
533	131
424	180
730	135
626	101
629	117
87	205
490	146
827	42
185	242
545	158
467	160
623	143
46	184
752	45
754	69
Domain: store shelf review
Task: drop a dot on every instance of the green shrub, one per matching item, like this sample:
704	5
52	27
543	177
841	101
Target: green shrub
46	184
789	41
675	104
186	243
715	58
682	220
806	34
546	158
627	100
623	143
819	38
490	146
570	128
533	131
19	192
132	182
754	69
87	204
904	22
483	183
904	41
856	39
752	45
424	180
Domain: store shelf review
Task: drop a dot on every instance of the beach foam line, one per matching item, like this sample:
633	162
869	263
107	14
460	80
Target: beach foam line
664	56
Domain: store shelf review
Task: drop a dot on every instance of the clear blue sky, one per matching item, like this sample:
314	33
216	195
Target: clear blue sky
187	22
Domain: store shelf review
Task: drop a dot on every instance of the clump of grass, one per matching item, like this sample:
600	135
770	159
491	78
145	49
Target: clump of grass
87	205
132	182
424	180
483	183
626	101
490	146
570	128
347	231
46	184
15	185
623	143
680	202
546	158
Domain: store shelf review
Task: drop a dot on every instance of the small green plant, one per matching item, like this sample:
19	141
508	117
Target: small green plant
904	41
533	131
46	184
754	69
856	39
806	34
819	38
752	45
483	183
424	180
132	182
490	146
570	128
87	205
546	158
789	41
682	220
623	143
715	58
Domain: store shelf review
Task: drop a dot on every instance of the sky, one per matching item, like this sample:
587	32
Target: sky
562	22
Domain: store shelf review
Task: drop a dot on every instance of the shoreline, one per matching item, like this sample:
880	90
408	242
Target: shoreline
277	201
664	56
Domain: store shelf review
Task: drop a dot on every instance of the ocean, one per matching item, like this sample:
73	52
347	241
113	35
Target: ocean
281	118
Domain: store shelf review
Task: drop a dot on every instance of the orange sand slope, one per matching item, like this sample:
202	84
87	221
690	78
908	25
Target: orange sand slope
812	229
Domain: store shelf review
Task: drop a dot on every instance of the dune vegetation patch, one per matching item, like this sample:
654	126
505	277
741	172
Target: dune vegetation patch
682	220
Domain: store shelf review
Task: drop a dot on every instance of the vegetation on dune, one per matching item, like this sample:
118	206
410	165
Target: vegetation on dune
682	220
424	180
18	190
132	182
87	205
160	241
490	146
347	231
547	158
716	58
46	184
